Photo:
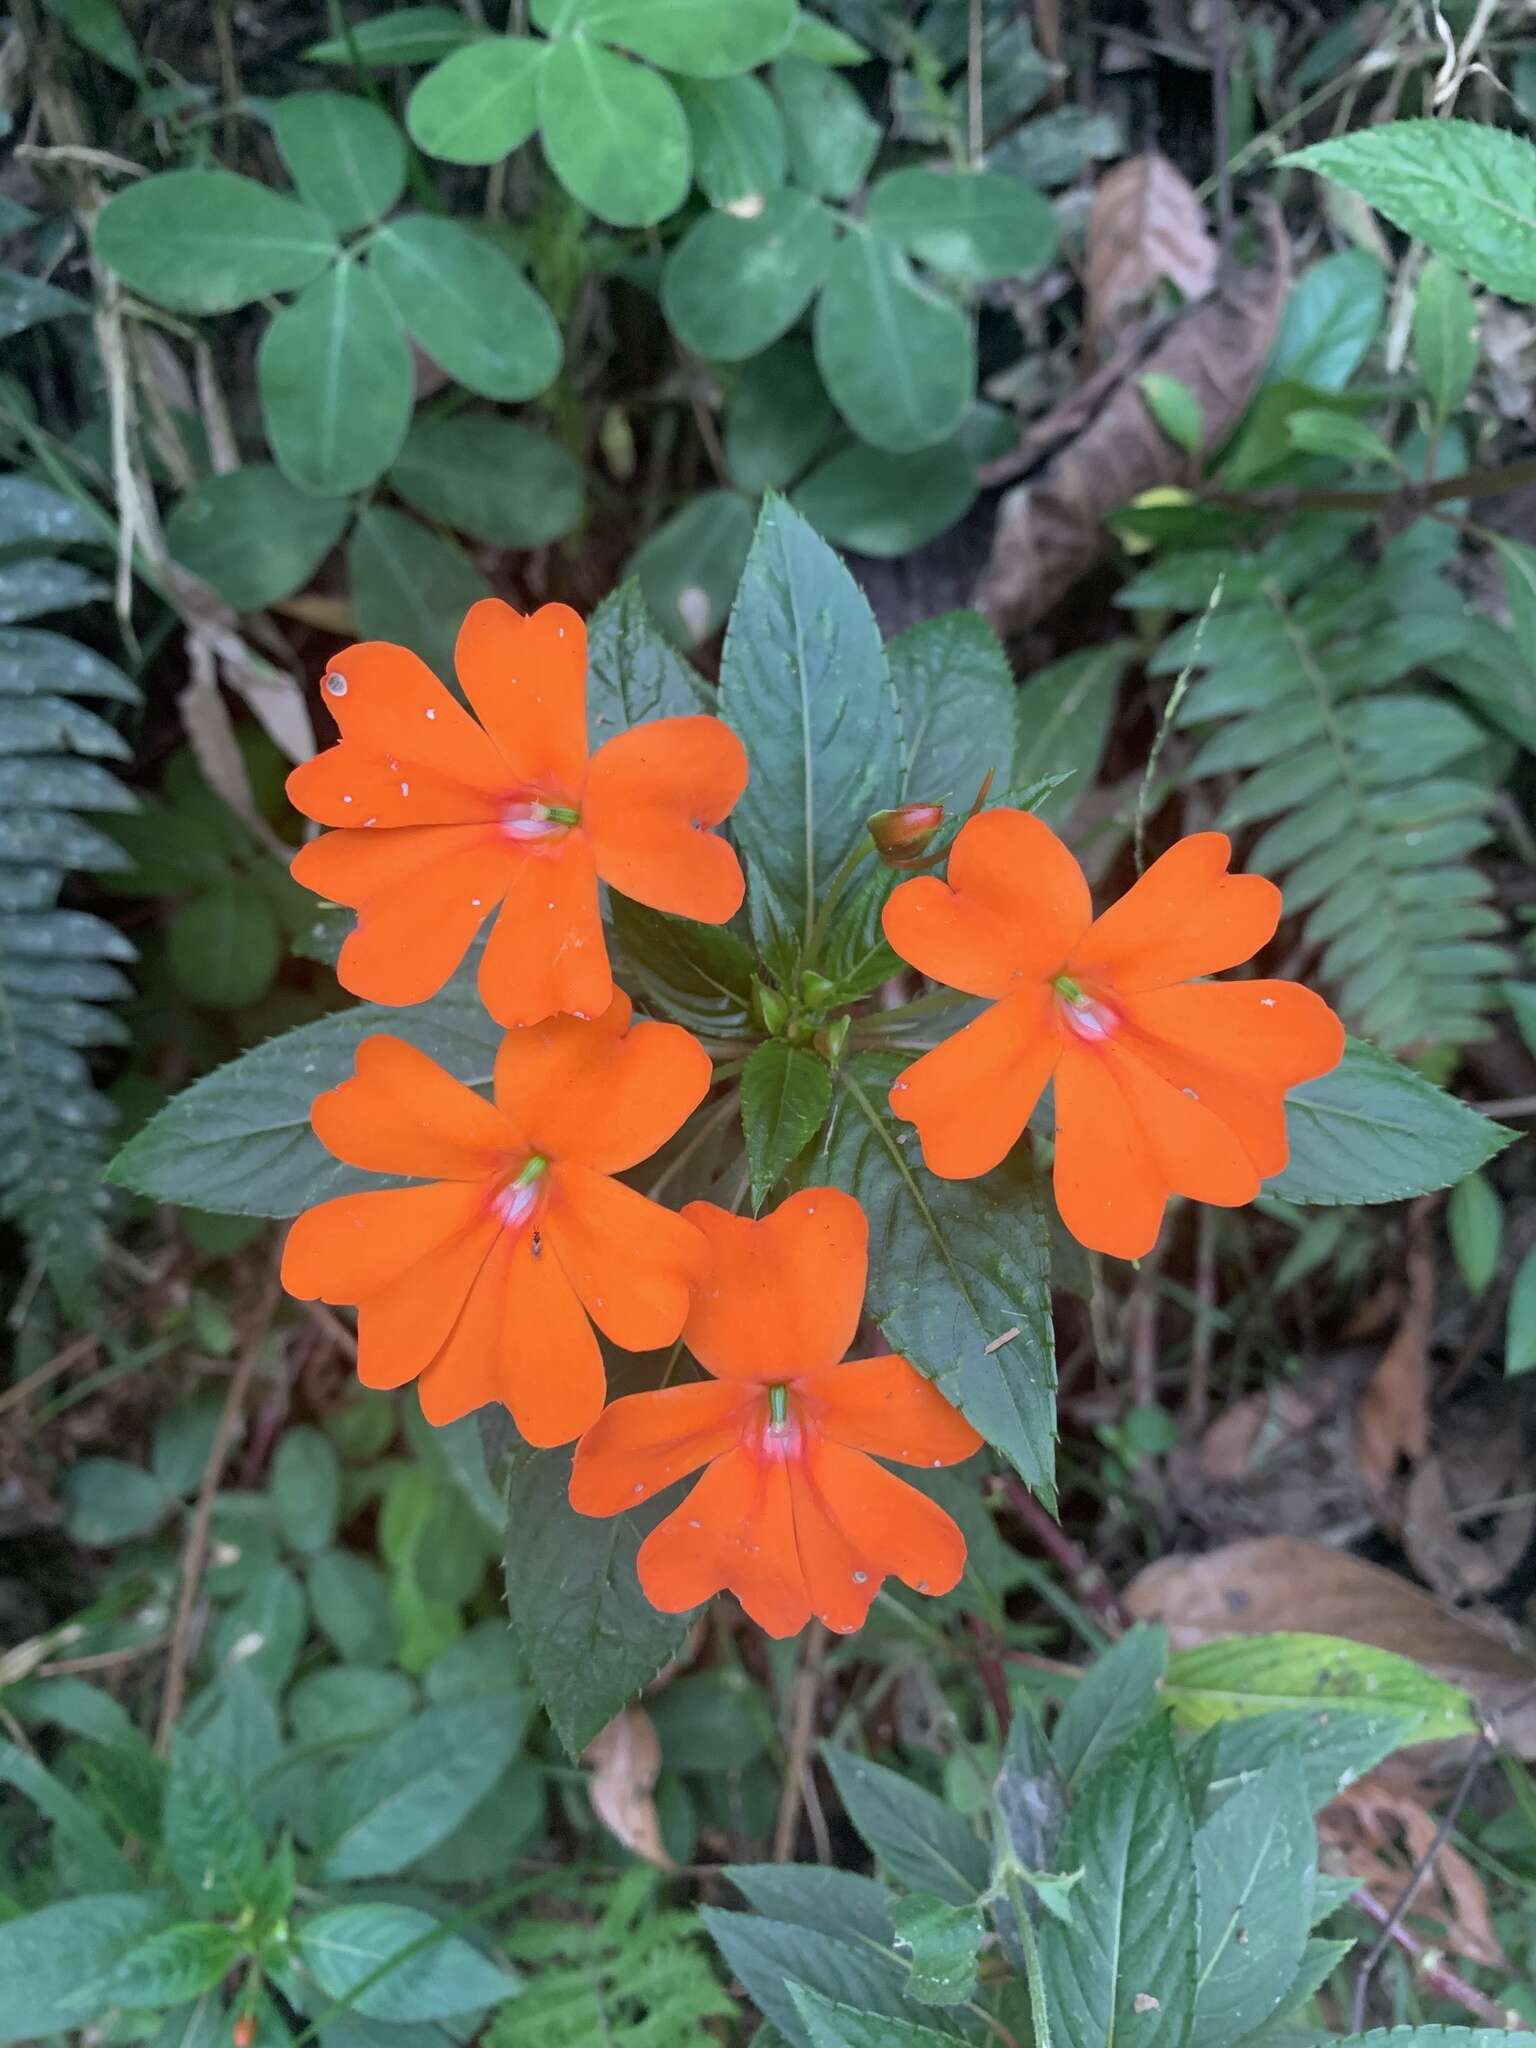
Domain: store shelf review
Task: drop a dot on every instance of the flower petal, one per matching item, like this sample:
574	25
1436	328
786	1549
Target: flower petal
857	1524
413	933
349	786
643	1443
402	1328
735	1532
388	706
345	1250
467	1370
650	793
1240	1045
1110	1188
1197	1154
349	867
885	1406
1186	916
527	681
402	1113
632	1263
1014	906
602	1091
546	952
783	1293
973	1094
553	1375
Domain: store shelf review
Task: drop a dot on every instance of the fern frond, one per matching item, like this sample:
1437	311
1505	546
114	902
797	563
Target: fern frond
638	1976
58	967
1367	782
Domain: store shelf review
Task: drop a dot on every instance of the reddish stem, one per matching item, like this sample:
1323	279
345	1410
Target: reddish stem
1083	1575
1433	1970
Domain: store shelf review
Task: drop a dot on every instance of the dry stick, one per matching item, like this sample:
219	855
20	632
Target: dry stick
1086	1580
975	132
1197	1391
1436	1973
989	1665
195	1555
1220	89
74	1351
802	1729
1411	496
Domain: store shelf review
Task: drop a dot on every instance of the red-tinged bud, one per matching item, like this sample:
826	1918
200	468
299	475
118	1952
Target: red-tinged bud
901	835
243	2032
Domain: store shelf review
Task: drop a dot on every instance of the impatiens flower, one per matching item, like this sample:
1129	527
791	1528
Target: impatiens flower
792	1514
479	1285
1163	1084
443	821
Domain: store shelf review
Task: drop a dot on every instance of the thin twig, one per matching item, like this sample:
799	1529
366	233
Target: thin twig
1084	1576
74	1351
1430	1965
1415	495
1221	86
195	1554
797	1768
1197	1392
975	136
989	1665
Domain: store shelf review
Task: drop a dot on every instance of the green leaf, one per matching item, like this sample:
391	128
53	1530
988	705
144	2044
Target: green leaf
1131	1938
235	1725
225	947
410	586
699	974
943	1942
738	139
253	535
633	672
389	1962
410	35
898	360
468	305
480	103
614	133
402	1796
954	1266
1331	317
1520	1335
1375	1131
306	1489
712	1721
831	2024
818	39
98	27
922	1843
35	663
32	589
1106	1707
1255	1860
786	1092
171	1967
81	1844
588	1636
46	1956
1435	2037
1466	190
490	478
350	1599
1244	1675
804	682
27	302
1175	408
334	371
346	1704
1444	336
956	693
690	567
111	1502
211	1842
1062	720
1316	431
832	136
731	286
345	154
778	418
693	36
32	512
209	241
772	1957
885	504
974	225
1474	1217
265	1627
1520	587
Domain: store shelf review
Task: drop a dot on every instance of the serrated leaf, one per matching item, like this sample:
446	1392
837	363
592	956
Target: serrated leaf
45	1957
1105	1708
943	1942
1444	336
831	2024
955	1266
786	1092
698	974
956	693
1062	719
211	1841
170	1967
397	1963
633	671
772	1956
920	1841
1255	1860
400	1797
1245	1675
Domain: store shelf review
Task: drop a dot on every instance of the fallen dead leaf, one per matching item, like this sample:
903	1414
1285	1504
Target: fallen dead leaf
1050	528
1478	1464
1286	1583
1147	227
1392	1422
626	1760
1380	1834
1254	1427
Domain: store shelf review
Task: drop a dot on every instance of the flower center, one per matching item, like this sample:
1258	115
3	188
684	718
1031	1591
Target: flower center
531	819
1084	1016
518	1200
781	1435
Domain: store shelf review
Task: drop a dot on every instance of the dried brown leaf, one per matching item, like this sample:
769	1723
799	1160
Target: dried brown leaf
626	1760
1283	1583
1050	529
1147	227
1392	1422
1380	1834
1253	1428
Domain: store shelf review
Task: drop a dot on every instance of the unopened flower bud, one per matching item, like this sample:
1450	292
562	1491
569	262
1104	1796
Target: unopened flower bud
901	835
816	990
771	1008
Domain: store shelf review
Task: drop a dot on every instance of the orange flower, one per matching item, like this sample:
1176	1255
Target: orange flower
481	1282
444	819
1163	1085
793	1515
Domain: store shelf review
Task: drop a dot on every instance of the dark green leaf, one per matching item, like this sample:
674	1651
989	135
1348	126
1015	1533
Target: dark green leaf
700	974
490	478
265	1627
832	136
974	225
1444	336
1330	320
35	663
614	133
885	504
694	36
712	1721
777	418
468	305
738	139
32	512
633	671
46	1956
1474	1217
226	947
111	1502
1255	1860
1106	1707
898	360
955	1266
831	2024
1375	1131
306	1488
400	1797
732	286
1062	720
410	585
409	35
211	1842
253	535
168	1968
943	1942
33	588
956	693
690	567
209	241
920	1841
786	1092
345	154
236	1728
28	301
99	27
1520	1332
771	1957
480	103
389	1962
334	370
350	1598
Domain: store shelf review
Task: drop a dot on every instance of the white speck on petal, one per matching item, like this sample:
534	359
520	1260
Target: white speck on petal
861	1578
693	1525
346	799
1193	1094
1266	1002
336	685
638	1487
405	789
474	902
430	712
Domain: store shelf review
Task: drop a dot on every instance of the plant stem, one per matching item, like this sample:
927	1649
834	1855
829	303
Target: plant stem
859	852
1039	2015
